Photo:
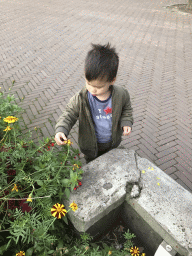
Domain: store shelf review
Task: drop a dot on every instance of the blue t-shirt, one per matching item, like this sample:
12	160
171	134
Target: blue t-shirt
101	112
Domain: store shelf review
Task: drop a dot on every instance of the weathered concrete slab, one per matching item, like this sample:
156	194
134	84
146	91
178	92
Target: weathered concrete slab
121	180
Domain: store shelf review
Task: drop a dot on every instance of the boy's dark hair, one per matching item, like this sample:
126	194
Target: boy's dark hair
101	63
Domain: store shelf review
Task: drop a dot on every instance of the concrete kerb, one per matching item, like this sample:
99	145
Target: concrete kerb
156	207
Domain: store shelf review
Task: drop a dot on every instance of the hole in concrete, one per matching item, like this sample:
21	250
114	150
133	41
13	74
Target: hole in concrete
114	236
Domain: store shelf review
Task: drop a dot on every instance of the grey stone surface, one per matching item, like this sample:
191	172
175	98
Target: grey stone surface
121	177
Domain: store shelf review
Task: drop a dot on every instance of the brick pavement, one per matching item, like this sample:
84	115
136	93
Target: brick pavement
43	45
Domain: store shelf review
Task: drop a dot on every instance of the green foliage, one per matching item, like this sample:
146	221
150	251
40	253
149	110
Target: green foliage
44	174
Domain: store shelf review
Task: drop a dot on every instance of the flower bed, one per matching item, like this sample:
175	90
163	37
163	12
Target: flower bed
32	184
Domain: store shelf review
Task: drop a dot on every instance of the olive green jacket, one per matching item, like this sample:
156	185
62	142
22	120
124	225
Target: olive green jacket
79	108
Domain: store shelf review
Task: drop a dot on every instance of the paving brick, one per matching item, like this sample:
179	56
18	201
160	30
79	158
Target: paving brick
46	60
33	109
185	157
149	146
184	180
167	120
26	118
165	159
148	136
166	140
166	152
186	168
50	128
170	170
147	152
38	122
173	176
168	164
179	181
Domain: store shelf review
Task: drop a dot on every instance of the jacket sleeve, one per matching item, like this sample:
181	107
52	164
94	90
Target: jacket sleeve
127	111
69	116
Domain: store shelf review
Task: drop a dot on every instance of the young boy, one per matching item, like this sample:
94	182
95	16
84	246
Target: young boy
103	109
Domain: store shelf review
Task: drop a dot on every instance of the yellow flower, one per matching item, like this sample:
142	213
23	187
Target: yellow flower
58	211
76	166
8	128
68	142
110	252
29	198
134	251
143	254
73	206
15	188
10	119
20	253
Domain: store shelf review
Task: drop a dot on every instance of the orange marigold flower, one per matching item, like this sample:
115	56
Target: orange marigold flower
58	211
134	251
10	119
21	253
8	129
74	206
15	188
29	198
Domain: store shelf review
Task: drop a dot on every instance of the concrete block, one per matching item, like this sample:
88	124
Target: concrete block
155	206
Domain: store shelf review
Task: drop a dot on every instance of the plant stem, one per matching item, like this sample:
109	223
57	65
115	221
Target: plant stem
49	226
63	162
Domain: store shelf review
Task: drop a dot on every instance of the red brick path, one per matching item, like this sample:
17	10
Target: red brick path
43	45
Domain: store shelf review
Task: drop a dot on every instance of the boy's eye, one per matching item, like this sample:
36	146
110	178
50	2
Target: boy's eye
94	86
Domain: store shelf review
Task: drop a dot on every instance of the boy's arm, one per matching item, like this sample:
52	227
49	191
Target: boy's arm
69	116
127	112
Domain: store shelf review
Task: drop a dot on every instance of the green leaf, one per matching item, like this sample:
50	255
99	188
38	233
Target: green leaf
60	244
17	239
65	182
2	249
72	185
67	193
29	252
60	194
50	252
39	182
71	174
65	219
36	167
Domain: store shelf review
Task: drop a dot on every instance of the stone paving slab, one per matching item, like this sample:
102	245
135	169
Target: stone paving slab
43	45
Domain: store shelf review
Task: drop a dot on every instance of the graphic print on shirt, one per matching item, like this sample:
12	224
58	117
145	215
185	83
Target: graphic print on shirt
101	112
103	125
108	110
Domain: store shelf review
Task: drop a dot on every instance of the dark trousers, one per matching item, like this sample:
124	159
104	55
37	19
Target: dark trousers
102	149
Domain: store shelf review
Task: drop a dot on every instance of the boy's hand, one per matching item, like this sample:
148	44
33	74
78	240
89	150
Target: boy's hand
60	138
127	130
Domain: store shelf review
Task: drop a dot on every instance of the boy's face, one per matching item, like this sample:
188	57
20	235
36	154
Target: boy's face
98	88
